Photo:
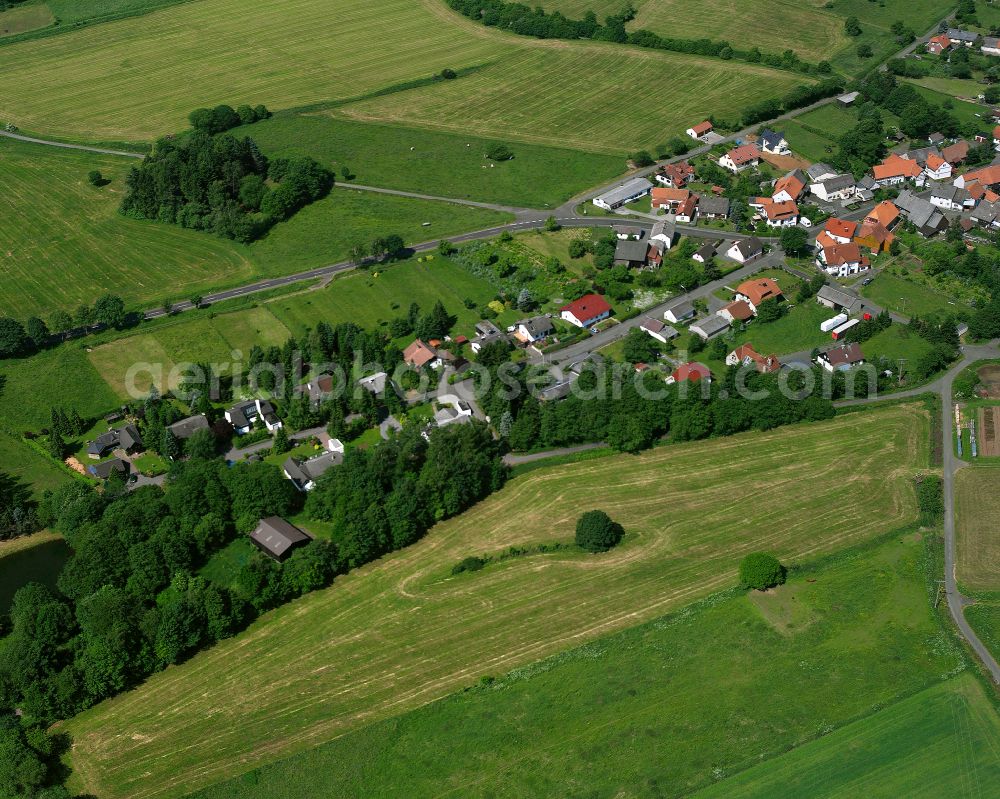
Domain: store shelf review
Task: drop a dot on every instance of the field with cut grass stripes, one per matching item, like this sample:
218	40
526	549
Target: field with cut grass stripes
138	78
679	703
977	526
403	632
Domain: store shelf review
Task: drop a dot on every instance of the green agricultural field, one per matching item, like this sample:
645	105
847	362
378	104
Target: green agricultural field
194	338
36	558
402	632
831	120
428	162
537	93
21	19
906	297
977	509
984	616
954	87
63	376
36	17
64	243
368	299
943	741
28	467
135	79
679	703
324	232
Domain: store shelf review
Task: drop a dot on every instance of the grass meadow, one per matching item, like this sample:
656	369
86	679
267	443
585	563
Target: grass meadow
398	157
977	509
685	701
403	632
138	78
21	19
904	296
65	244
28	467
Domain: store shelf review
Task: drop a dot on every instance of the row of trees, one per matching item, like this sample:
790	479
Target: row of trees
221	184
225	117
17	339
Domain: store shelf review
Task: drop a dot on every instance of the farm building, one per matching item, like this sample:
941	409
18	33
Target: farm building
626	193
709	326
838	300
699	130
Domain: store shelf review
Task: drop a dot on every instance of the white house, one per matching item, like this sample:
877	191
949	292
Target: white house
842	358
586	311
951	198
679	312
771	141
664	232
535	329
745	250
740	158
834	187
936	168
658	330
243	414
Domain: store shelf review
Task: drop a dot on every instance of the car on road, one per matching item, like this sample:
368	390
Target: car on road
867	281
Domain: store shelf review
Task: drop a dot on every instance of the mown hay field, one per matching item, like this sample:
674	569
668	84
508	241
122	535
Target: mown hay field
138	78
402	632
977	522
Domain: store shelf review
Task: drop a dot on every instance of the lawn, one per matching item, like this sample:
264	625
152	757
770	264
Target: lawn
226	563
437	163
570	94
897	343
120	80
963	111
665	708
36	558
50	216
402	632
808	143
943	741
953	87
796	331
977	519
906	297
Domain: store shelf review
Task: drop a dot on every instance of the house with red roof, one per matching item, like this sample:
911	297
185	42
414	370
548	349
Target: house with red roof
875	236
586	311
937	168
841	260
776	214
740	158
895	170
758	290
675	176
938	44
691	372
885	213
840	230
736	311
699	130
790	187
420	354
668	199
986	177
746	355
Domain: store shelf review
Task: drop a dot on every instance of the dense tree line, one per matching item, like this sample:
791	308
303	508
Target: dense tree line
17	339
527	21
225	117
221	184
387	497
17	509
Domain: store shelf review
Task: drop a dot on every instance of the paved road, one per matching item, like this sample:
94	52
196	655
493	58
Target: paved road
517	460
531	213
951	464
84	147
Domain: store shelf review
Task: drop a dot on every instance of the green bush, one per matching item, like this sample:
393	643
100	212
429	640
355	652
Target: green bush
930	498
499	152
596	532
472	563
761	571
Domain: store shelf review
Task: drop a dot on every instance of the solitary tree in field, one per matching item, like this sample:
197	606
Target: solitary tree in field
596	532
761	571
499	152
95	178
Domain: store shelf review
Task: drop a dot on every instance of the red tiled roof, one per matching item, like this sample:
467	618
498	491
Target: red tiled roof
739	310
587	307
692	371
759	290
885	213
840	254
418	354
896	166
702	128
988	175
791	184
840	227
744	154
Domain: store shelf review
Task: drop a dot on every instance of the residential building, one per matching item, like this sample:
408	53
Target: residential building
951	198
276	538
539	328
654	255
668	200
924	216
187	427
376	383
842	358
895	169
960	38
986	214
885	213
987	176
631	252
938	44
626	193
586	311
713	207
243	414
740	158
834	187
990	46
305	473
737	311
956	153
104	470
937	168
819	171
744	250
771	141
692	372
758	290
776	214
687	210
664	232
841	260
675	176
704	254
709	326
840	230
126	438
626	232
876	238
746	355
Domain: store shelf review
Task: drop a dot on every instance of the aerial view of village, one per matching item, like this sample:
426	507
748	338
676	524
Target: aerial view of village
463	398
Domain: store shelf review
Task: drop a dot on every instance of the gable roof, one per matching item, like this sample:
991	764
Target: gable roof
844	355
840	227
771	138
107	468
702	128
763	364
794	183
418	353
840	254
587	307
988	175
759	289
186	428
885	213
895	166
692	371
276	536
956	153
631	250
713	205
749	246
662	194
744	154
739	310
836	296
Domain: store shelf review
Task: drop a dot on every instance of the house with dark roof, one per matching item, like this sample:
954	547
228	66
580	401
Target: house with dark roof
126	438
665	232
277	538
713	207
537	328
927	219
842	358
305	473
186	428
744	250
709	326
679	312
629	252
658	330
837	299
704	254
242	415
834	187
104	470
771	141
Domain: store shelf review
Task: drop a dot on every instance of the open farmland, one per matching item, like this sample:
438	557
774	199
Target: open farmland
943	741
401	632
535	95
664	708
65	244
29	468
977	508
120	80
399	157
